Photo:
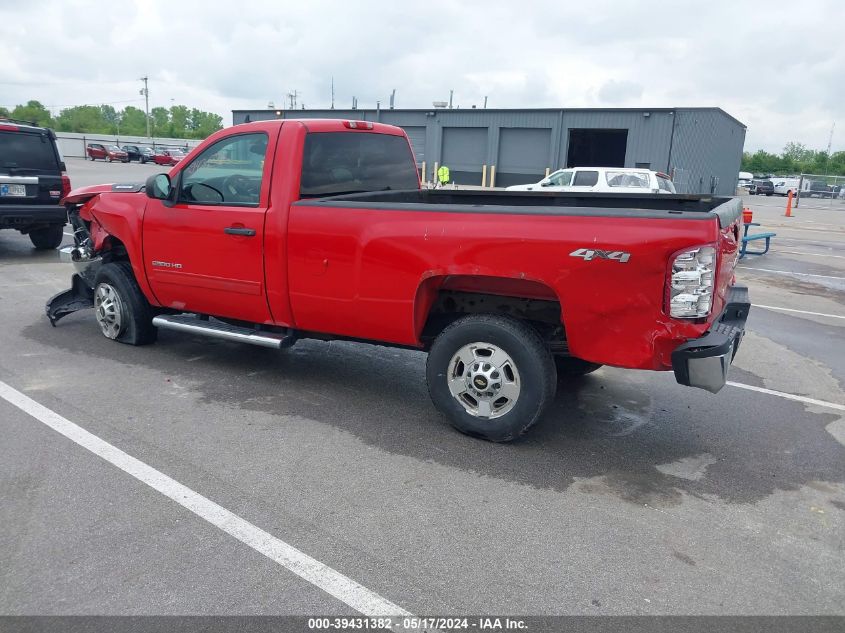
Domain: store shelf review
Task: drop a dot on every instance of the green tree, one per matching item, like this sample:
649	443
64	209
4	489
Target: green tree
86	118
179	121
160	121
111	118
33	111
133	122
797	152
204	124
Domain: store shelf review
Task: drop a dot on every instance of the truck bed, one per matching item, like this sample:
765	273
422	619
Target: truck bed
540	203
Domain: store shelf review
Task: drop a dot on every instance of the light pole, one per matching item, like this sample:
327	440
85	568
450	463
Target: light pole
146	92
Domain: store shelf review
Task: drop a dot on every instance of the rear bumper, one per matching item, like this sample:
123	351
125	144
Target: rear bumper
704	362
20	216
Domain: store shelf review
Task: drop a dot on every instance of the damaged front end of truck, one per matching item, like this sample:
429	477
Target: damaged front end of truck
91	249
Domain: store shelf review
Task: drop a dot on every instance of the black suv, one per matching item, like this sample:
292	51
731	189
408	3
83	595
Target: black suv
32	183
763	187
134	152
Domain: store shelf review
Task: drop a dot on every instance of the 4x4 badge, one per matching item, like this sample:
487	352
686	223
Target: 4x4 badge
589	254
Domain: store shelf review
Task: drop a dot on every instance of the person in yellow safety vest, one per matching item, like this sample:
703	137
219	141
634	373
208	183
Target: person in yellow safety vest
443	175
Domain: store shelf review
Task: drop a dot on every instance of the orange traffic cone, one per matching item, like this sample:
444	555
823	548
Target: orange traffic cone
788	213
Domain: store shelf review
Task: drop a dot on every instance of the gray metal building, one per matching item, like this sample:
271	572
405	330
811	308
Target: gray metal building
700	147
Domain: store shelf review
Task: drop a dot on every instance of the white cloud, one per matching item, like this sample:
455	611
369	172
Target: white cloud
779	70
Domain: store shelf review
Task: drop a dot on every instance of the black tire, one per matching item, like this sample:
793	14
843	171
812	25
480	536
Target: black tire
48	238
571	366
136	314
537	378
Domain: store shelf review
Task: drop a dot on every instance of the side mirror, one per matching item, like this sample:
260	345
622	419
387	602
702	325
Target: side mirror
545	183
159	187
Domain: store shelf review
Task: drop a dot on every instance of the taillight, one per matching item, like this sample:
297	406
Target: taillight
6	127
690	294
358	125
65	185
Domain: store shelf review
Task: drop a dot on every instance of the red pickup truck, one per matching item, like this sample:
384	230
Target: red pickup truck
275	231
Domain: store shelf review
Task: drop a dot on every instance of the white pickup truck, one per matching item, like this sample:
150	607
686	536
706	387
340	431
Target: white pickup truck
603	180
784	185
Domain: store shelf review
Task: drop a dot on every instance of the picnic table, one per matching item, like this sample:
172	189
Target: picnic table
743	251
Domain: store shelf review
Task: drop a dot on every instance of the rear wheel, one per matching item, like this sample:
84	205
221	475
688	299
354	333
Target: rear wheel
47	238
491	376
571	366
121	310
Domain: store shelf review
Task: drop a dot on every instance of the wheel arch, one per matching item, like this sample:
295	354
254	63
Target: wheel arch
116	224
442	299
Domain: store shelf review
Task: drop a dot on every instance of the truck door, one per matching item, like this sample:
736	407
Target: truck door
203	250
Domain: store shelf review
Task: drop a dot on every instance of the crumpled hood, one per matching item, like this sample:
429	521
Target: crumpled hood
81	194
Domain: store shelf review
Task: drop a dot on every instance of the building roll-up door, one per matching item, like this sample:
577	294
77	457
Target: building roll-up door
416	134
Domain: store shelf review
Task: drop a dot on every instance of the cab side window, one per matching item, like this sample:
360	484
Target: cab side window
228	173
586	178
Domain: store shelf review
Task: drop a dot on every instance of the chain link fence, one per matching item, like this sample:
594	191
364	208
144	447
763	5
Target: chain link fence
682	179
816	191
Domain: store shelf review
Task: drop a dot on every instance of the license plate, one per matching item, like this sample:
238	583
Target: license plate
12	190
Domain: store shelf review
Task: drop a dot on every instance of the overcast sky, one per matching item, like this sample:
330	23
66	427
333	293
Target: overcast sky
779	67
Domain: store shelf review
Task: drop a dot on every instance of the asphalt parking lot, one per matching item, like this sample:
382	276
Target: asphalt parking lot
633	496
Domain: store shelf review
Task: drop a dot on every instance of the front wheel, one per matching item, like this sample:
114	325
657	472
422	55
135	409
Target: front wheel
491	376
121	309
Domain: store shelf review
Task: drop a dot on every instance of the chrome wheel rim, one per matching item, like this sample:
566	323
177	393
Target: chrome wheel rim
108	310
484	380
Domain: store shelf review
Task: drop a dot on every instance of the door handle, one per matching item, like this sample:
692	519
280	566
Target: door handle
236	230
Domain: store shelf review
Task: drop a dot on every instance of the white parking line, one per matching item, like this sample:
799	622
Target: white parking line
68	234
318	574
789	396
821	314
812	254
790	272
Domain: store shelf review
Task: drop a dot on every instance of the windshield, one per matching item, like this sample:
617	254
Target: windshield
114	148
344	162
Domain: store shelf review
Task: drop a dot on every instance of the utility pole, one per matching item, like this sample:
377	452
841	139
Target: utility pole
450	98
146	92
292	97
829	145
332	92
830	138
485	102
392	98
